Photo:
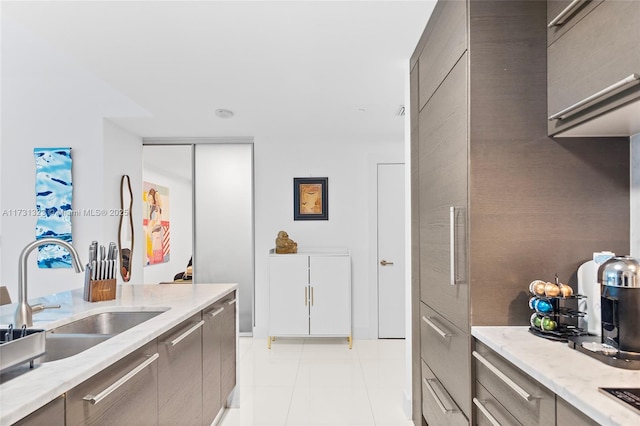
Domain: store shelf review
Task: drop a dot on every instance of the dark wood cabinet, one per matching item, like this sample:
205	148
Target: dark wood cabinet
180	374
51	414
124	393
588	61
497	203
218	356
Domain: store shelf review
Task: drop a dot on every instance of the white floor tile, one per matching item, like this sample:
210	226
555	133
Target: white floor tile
309	382
330	406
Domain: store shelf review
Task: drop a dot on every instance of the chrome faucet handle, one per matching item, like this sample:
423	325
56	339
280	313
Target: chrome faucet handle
40	307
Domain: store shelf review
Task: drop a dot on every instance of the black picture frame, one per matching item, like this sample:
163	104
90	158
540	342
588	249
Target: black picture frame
311	198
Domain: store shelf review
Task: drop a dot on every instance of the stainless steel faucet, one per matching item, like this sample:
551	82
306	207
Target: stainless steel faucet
24	312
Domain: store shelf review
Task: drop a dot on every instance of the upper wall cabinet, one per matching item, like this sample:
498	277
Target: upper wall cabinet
594	71
447	41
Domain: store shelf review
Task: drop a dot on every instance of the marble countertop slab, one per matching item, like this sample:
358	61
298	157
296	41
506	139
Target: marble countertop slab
27	392
572	375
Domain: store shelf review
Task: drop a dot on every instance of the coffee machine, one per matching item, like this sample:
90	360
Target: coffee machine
619	279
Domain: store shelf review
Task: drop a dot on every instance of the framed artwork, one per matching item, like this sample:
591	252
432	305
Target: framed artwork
155	223
311	198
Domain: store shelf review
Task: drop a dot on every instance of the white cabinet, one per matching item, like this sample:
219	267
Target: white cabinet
310	294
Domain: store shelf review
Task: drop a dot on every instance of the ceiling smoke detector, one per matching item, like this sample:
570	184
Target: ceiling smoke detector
224	113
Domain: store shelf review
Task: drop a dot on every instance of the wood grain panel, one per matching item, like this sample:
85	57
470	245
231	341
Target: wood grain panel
134	403
447	356
51	414
540	410
554	7
211	364
446	40
495	409
443	183
180	376
229	349
599	51
431	407
568	415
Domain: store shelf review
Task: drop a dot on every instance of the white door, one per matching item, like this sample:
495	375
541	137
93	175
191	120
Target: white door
391	271
288	295
330	298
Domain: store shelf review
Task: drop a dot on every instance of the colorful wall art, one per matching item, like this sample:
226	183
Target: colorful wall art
54	193
156	223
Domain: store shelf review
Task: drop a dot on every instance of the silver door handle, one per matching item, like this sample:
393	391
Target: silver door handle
486	412
94	399
306	297
596	97
523	394
232	301
437	329
385	263
432	391
560	19
184	335
216	312
452	237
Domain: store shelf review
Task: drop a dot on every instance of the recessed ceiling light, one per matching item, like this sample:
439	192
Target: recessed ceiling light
224	113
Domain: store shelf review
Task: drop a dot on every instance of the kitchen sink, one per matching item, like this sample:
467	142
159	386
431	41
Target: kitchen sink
105	323
59	346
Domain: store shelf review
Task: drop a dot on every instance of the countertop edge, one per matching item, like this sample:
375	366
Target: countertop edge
576	382
95	359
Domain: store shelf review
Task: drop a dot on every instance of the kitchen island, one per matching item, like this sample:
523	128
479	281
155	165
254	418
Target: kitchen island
25	393
571	375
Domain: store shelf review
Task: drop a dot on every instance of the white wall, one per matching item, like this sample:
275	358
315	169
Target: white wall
348	167
170	166
48	100
635	196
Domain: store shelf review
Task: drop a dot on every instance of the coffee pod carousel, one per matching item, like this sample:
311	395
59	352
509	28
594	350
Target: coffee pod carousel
556	310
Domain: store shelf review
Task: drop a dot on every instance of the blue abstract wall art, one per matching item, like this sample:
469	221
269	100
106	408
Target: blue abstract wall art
54	193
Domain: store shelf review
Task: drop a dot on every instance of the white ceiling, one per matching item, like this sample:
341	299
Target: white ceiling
314	70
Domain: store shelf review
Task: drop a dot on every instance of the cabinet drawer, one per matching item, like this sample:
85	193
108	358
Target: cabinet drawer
568	415
527	400
489	411
599	51
446	350
446	35
438	408
125	393
562	15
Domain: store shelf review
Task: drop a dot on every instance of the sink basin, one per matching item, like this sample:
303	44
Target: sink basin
59	346
105	323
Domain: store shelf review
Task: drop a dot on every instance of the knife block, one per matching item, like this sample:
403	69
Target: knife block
100	290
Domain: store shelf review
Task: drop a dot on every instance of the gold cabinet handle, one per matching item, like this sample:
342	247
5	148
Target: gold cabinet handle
385	263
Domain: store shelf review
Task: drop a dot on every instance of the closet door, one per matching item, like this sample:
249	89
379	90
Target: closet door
223	236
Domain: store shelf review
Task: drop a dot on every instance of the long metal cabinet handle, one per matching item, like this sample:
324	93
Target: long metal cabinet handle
306	296
94	399
599	97
560	19
232	301
311	295
432	391
437	329
216	312
486	412
452	234
184	335
523	394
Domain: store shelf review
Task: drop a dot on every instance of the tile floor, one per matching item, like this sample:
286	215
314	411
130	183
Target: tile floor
306	382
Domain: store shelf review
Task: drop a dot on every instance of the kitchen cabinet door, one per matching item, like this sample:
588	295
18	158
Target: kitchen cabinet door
330	295
228	347
598	52
443	186
180	373
562	15
288	295
568	415
211	362
126	393
51	414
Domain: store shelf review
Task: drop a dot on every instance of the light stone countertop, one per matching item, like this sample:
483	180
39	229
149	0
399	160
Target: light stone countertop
572	375
25	393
